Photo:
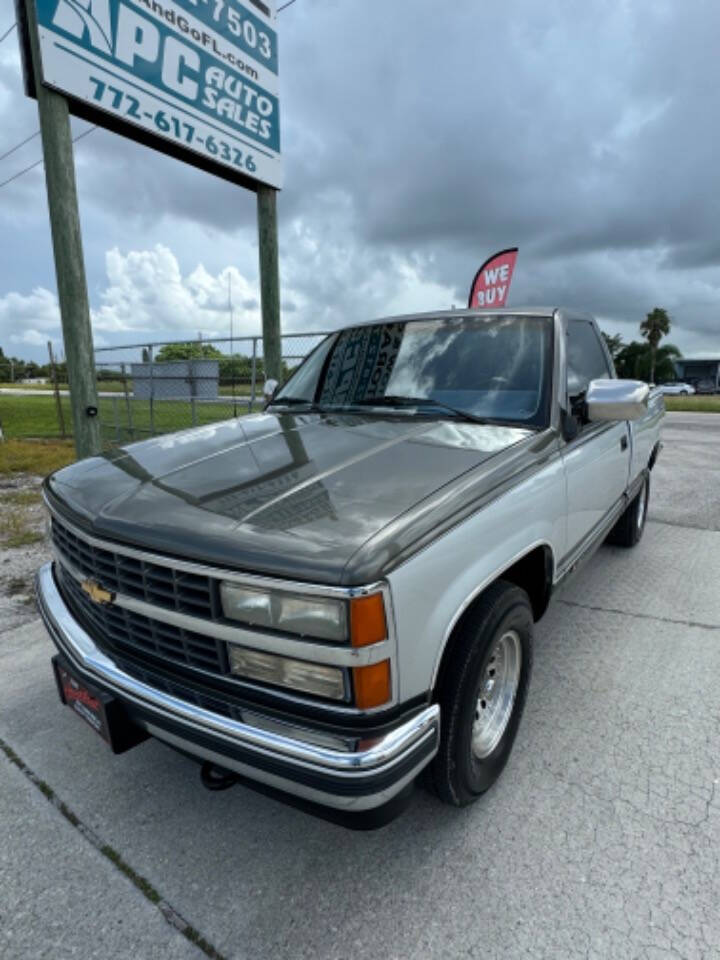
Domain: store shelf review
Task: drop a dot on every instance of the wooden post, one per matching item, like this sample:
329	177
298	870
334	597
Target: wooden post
67	247
56	390
116	418
269	280
152	391
253	375
128	408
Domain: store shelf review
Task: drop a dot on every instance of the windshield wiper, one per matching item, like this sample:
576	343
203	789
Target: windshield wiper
396	400
292	402
392	400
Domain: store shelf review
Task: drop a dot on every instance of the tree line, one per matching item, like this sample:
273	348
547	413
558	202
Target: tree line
645	359
13	368
235	369
638	360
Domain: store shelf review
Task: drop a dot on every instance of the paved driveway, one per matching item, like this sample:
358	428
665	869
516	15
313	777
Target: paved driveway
600	841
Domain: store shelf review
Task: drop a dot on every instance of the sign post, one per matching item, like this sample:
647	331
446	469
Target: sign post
269	281
67	247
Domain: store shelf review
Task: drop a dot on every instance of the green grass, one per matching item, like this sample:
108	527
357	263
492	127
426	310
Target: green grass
38	417
15	531
21	498
117	386
110	386
31	416
39	457
696	404
166	416
30	386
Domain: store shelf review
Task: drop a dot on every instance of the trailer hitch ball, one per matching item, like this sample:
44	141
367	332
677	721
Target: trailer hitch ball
213	777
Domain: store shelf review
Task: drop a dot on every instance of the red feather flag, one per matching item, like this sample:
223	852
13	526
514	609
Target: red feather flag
492	281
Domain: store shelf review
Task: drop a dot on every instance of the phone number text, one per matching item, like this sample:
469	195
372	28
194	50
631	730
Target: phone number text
166	122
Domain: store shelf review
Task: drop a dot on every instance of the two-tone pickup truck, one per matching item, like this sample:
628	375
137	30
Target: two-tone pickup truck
330	597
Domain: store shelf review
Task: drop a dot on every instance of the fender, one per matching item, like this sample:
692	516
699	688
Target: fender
498	575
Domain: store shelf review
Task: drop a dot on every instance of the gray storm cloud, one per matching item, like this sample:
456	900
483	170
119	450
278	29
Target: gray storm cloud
424	136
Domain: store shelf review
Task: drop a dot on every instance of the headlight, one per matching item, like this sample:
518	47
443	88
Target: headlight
285	672
319	617
356	621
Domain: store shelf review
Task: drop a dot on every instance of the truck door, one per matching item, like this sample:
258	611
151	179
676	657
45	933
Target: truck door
597	460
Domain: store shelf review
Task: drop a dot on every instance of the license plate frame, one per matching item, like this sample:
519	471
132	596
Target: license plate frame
101	711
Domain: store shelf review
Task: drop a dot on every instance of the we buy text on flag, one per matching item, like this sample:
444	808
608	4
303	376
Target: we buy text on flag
492	281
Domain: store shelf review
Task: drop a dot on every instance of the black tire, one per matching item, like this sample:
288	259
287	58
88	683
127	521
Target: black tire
629	528
683	393
457	775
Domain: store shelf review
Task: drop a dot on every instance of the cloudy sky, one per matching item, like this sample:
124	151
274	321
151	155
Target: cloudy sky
418	138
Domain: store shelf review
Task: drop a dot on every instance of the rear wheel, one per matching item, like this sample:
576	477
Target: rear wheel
482	694
629	528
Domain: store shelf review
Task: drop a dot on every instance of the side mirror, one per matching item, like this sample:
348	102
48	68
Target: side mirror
269	388
616	400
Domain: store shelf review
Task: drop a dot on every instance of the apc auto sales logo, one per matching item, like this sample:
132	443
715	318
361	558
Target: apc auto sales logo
164	51
77	16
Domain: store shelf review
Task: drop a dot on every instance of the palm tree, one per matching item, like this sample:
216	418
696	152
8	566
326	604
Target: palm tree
654	327
614	343
633	362
665	357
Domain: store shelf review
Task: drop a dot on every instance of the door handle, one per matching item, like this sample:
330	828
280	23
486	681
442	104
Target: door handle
623	442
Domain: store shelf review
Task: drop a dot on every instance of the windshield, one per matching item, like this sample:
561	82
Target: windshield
487	367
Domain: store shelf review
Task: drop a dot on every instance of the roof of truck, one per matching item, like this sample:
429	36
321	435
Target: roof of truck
531	311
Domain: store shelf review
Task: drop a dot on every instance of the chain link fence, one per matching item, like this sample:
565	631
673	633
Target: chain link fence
147	389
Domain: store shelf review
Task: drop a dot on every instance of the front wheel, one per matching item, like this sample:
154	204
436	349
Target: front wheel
629	528
482	694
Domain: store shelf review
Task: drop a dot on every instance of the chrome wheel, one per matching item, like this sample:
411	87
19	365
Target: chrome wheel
497	693
642	498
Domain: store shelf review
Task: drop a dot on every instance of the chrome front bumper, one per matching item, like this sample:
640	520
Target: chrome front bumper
347	780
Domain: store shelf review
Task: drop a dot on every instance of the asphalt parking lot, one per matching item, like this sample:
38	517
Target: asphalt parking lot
600	841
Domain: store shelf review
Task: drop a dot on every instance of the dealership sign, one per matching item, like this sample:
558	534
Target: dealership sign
194	78
491	285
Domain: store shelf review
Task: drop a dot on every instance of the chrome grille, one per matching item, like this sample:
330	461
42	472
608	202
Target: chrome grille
162	586
132	632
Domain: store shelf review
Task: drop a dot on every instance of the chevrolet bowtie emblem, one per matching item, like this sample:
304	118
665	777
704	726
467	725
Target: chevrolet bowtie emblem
97	593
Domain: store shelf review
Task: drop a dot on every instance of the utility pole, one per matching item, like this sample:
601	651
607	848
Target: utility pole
269	280
67	246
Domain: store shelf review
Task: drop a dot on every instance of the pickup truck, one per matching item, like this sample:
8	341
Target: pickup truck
331	597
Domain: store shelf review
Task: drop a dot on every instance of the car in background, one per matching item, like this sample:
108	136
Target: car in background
677	389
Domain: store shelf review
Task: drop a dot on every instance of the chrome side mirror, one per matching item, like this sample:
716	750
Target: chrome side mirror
616	400
269	388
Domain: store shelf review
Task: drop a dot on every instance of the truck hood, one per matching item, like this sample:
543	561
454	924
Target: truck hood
334	499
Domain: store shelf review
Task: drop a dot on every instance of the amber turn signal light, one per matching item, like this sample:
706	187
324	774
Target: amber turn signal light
367	620
372	685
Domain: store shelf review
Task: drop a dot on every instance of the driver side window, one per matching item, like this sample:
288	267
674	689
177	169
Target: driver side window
586	358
